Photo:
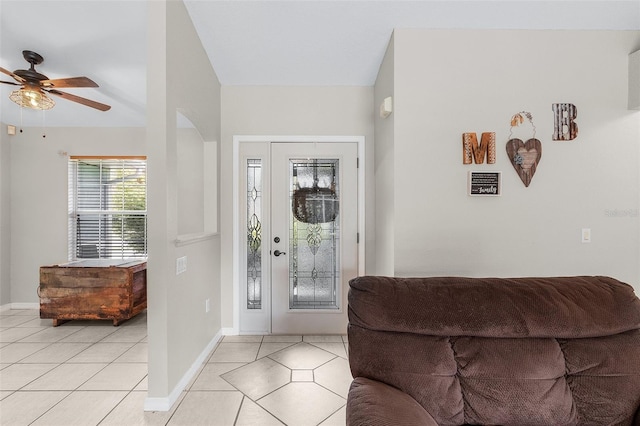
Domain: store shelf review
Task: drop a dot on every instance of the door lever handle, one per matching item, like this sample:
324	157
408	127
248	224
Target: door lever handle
278	253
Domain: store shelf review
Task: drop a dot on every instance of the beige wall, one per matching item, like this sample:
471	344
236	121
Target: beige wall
342	111
190	170
5	218
38	194
384	169
448	82
180	330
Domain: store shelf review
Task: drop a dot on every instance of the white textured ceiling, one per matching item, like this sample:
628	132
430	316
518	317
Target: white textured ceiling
264	42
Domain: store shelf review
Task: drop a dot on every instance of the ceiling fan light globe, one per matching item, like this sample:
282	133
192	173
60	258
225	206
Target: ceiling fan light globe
32	98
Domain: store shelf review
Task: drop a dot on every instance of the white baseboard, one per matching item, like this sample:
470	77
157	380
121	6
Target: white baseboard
10	306
165	403
25	305
229	331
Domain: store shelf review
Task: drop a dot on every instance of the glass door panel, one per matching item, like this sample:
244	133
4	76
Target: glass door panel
314	237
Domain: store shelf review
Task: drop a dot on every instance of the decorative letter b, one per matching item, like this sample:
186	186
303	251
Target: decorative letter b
564	128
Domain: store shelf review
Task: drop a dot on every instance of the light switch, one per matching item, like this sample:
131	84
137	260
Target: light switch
586	235
181	265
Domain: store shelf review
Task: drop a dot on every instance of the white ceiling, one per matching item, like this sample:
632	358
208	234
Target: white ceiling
264	42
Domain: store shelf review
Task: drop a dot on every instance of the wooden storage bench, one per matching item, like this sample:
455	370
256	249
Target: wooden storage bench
113	289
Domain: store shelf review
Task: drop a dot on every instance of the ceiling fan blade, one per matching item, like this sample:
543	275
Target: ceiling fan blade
15	76
78	99
10	82
69	82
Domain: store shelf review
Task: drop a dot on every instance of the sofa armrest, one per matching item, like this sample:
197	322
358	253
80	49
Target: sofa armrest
373	403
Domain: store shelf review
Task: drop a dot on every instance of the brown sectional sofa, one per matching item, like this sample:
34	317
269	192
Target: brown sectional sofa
522	351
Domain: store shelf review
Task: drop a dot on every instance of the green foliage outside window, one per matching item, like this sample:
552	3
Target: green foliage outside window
129	190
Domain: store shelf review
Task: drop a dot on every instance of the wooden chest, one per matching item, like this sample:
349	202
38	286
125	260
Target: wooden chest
113	289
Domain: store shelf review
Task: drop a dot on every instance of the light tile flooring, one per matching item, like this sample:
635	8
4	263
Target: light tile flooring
92	373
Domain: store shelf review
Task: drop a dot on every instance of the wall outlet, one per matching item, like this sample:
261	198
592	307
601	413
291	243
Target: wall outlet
181	265
207	305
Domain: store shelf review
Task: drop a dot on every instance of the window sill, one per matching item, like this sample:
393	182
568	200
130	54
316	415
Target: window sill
186	239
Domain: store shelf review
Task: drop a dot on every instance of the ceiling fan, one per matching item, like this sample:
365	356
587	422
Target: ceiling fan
36	86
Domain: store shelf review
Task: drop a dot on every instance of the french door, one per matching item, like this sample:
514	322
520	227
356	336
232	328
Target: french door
300	214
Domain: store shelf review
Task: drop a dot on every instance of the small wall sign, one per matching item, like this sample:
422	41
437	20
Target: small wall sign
485	183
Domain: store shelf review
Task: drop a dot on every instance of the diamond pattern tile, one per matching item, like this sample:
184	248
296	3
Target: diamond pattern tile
259	378
302	356
302	404
335	376
251	414
334	348
302	375
270	348
339	418
209	378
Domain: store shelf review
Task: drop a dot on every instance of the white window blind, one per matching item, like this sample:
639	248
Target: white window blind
107	207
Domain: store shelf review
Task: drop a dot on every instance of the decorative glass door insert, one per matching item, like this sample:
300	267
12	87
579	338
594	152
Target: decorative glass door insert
254	234
314	236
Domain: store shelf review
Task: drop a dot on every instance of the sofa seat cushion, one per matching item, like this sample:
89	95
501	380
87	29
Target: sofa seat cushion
382	405
421	366
604	376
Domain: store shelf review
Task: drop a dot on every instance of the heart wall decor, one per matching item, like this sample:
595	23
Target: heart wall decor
524	157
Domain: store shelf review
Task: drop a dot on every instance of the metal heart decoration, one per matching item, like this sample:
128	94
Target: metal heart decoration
524	157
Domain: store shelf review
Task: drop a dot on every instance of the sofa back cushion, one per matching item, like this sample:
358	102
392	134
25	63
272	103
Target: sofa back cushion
561	307
508	377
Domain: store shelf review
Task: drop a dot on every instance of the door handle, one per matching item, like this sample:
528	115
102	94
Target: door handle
278	253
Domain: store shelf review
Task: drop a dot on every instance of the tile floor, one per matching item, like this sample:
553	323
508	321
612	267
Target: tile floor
92	373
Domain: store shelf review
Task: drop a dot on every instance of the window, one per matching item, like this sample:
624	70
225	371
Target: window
107	207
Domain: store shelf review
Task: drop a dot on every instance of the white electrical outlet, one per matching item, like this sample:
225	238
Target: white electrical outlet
181	265
207	305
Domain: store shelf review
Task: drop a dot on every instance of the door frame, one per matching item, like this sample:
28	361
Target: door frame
237	140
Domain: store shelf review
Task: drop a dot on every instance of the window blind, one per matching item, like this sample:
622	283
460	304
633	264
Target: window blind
107	207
